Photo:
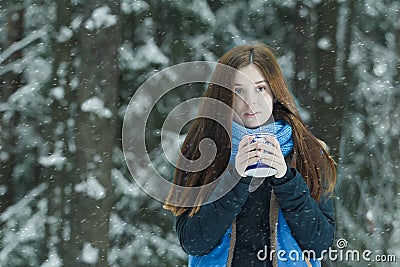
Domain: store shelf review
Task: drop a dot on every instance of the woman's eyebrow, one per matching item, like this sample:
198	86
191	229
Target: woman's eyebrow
239	84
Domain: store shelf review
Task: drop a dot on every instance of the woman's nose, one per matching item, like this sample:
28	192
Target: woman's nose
252	99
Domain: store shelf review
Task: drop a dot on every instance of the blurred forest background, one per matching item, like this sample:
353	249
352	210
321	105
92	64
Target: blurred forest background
68	69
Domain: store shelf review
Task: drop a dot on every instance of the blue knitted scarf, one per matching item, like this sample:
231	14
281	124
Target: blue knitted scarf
281	129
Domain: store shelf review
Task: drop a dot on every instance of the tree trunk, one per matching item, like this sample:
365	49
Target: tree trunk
95	128
315	79
330	107
397	76
304	39
58	134
10	83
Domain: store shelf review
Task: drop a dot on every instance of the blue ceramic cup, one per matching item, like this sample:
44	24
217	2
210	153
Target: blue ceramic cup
260	169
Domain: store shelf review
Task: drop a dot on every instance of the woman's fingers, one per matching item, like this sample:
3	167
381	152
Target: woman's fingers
254	156
250	162
242	158
245	145
269	153
245	141
268	148
271	160
249	148
272	141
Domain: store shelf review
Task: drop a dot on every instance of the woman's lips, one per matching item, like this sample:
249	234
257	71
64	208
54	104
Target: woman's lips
250	114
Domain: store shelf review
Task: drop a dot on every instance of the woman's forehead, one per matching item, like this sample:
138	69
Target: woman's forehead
249	75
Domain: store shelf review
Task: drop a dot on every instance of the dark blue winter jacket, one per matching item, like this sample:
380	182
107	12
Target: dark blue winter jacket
236	229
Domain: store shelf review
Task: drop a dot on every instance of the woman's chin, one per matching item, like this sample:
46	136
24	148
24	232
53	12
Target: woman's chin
250	122
252	125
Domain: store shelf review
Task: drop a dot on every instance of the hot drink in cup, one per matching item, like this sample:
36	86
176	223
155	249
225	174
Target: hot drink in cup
260	169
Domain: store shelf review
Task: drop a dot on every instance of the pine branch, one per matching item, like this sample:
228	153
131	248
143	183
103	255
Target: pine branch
22	43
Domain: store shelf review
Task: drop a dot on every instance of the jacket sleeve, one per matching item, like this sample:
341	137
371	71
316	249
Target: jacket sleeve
202	232
312	223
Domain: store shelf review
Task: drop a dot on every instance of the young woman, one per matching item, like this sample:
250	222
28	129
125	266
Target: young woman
282	220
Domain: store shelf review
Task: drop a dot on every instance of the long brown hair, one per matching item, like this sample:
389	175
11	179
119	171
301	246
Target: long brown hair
309	156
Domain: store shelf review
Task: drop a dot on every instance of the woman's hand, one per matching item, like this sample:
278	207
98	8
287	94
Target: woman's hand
270	154
246	155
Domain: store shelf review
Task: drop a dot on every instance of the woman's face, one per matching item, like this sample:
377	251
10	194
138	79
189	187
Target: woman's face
253	98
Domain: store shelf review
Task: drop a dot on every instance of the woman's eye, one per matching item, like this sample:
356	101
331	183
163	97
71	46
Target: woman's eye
238	90
262	88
